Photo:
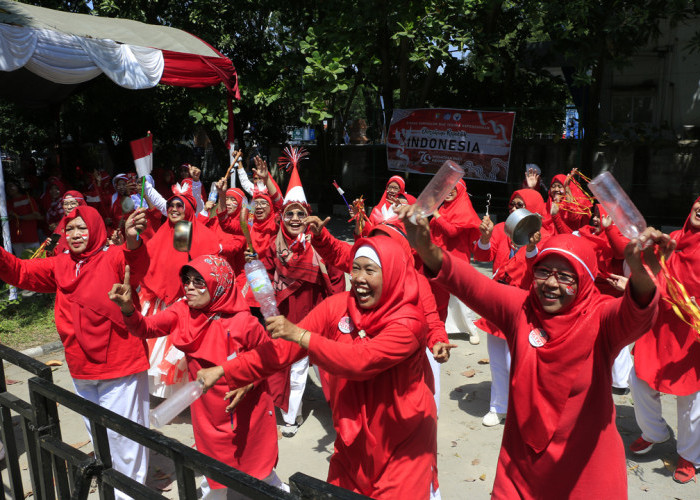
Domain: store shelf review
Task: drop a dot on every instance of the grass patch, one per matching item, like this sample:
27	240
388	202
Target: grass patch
28	321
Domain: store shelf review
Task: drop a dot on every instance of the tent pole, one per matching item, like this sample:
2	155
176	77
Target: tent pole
6	238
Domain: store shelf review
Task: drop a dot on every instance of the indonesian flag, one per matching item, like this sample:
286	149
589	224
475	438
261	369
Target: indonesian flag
142	149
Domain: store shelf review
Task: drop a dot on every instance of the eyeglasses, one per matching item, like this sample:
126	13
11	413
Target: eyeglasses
299	214
176	205
261	204
195	280
543	274
70	204
517	204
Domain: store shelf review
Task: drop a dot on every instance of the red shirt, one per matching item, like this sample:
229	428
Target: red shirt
23	231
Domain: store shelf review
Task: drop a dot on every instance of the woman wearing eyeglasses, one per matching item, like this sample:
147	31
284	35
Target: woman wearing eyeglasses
161	289
301	280
560	438
510	265
212	325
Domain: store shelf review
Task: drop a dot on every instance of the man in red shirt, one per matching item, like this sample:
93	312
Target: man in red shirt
24	216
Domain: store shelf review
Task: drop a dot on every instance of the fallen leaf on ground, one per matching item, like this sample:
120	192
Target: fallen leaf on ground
476	461
668	463
470	480
9	381
482	477
469	373
454	443
54	362
80	444
484	361
644	488
458	455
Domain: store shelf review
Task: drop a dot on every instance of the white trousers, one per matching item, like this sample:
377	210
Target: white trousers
499	363
128	397
647	411
225	493
298	374
435	367
458	317
621	368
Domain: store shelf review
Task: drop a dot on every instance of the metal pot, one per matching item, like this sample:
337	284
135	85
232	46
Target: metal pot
521	224
182	236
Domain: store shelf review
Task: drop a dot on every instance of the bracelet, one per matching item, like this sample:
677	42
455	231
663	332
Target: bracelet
301	337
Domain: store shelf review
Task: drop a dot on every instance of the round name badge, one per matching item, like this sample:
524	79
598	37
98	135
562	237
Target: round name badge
345	324
538	338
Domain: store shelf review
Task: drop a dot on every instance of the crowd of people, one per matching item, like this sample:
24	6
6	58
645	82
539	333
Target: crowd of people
139	318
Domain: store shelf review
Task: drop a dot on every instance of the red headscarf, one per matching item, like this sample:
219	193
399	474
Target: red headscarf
378	214
225	301
573	220
544	376
160	279
86	281
685	261
53	208
231	222
458	212
61	226
263	231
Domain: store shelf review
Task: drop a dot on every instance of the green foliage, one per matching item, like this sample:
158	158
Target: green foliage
27	321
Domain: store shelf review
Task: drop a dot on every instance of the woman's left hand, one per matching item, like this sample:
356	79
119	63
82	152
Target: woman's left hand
441	351
209	376
135	224
636	254
281	328
236	396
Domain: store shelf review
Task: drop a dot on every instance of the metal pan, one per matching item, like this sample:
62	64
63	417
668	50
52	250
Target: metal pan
182	236
521	224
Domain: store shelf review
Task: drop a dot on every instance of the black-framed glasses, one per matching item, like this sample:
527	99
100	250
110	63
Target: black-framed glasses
516	204
261	204
543	274
177	205
197	281
299	214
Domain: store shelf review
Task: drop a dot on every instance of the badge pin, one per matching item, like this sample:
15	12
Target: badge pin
345	324
537	338
362	334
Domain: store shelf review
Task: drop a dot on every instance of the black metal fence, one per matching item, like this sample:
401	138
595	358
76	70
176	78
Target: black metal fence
57	469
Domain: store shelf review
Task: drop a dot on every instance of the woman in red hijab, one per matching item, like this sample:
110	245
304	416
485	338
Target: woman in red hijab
560	438
370	341
211	325
51	201
576	212
161	289
667	359
70	201
229	216
107	364
510	265
455	227
383	211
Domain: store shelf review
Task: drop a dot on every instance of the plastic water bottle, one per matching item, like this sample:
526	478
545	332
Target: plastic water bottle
213	192
437	189
615	201
260	284
173	406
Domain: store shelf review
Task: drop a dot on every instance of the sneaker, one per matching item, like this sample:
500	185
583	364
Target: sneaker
289	430
492	419
474	338
685	471
642	446
621	391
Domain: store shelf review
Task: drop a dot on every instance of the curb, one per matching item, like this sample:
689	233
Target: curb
35	352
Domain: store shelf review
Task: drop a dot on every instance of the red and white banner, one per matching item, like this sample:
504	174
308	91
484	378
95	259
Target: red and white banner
142	149
421	140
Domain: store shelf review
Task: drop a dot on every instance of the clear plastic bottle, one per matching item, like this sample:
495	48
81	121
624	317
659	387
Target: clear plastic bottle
437	189
615	201
260	284
175	404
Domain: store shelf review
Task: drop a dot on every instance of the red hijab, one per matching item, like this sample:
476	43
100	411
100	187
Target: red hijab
263	231
231	222
225	302
159	277
85	282
53	209
60	228
572	219
377	216
685	261
543	377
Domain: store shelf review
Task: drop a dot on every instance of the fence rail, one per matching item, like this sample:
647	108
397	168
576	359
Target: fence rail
58	469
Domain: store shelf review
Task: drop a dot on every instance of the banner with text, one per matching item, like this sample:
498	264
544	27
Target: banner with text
421	140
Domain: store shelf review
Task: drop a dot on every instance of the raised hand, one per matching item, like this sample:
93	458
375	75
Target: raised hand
261	169
195	173
554	209
418	234
532	179
534	240
120	293
116	238
617	282
315	224
281	328
638	252
606	221
135	225
486	229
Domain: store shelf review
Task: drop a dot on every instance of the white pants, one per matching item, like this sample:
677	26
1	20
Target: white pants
647	411
128	397
458	317
435	367
298	374
621	369
225	493
499	363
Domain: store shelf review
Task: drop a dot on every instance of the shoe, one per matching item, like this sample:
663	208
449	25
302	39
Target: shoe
492	419
474	338
289	430
621	391
685	471
642	446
